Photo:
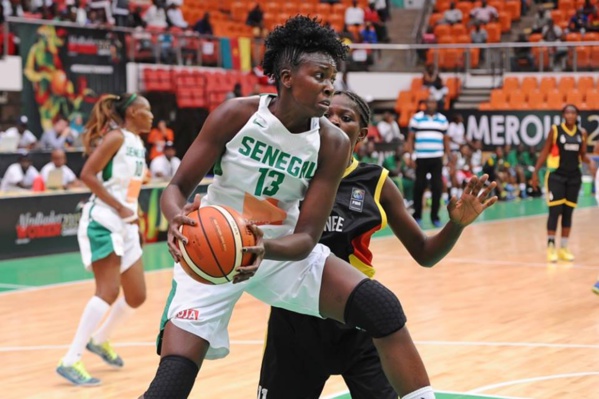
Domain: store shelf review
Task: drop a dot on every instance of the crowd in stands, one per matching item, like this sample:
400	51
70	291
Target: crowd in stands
56	175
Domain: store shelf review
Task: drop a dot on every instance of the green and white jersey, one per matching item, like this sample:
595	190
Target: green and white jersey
265	171
123	175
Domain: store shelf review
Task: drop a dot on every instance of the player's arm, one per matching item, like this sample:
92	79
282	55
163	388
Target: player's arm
97	161
543	157
319	199
584	156
425	250
219	128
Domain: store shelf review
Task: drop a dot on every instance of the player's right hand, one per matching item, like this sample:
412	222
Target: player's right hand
245	272
534	181
174	227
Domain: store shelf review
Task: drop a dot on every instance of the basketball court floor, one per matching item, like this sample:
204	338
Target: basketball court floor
493	320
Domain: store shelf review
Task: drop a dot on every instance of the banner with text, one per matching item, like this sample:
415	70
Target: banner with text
47	224
66	69
499	128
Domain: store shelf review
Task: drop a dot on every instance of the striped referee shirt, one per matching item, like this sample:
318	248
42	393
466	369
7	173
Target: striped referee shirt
429	134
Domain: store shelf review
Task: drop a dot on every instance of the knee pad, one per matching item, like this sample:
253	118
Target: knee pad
375	309
174	379
554	212
567	216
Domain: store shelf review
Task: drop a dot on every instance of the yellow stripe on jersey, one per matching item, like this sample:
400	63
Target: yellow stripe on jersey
351	167
361	266
377	197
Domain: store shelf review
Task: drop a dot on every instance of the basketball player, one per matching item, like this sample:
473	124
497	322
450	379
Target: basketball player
303	351
564	149
108	232
271	153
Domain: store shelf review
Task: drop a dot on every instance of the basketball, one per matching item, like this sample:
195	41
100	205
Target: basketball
59	82
213	251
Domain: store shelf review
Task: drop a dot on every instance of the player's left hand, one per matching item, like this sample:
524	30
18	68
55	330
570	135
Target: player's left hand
472	202
245	272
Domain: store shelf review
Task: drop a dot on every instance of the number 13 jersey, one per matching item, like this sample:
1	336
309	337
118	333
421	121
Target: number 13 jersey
265	171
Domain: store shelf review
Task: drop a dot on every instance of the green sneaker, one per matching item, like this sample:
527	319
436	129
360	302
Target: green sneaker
77	374
106	352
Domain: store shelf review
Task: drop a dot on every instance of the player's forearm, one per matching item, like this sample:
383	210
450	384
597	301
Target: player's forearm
172	201
99	191
438	246
293	247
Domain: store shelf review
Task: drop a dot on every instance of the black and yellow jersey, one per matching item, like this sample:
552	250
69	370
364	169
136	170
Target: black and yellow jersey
357	214
564	157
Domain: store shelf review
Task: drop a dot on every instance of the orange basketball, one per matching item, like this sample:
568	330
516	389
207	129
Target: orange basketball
213	251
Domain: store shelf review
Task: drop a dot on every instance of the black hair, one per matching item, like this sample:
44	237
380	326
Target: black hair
363	108
571	106
287	43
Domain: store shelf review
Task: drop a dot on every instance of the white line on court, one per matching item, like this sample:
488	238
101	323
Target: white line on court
338	394
533	380
261	342
15	286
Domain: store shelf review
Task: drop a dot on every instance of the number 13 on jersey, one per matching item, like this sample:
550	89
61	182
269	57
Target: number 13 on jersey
269	182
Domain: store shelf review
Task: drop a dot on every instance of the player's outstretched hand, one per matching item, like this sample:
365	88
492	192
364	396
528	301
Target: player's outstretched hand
174	228
245	272
472	202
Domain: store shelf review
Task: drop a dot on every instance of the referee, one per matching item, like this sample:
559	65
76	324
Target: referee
428	142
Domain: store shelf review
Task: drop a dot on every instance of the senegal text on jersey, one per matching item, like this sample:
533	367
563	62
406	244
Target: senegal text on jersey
136	152
276	158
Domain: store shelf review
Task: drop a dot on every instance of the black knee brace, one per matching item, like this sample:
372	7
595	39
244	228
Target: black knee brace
174	379
374	309
567	216
554	212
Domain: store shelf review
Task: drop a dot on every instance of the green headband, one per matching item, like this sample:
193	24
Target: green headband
129	101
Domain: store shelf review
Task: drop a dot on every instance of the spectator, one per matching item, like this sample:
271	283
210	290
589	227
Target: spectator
393	164
76	124
156	15
175	17
354	15
578	21
370	15
137	19
81	13
367	154
381	9
389	129
19	175
483	14
120	10
543	18
593	22
429	76
456	133
203	26
588	8
59	161
103	11
167	51
369	34
165	165
255	17
235	93
12	8
452	15
38	6
477	156
27	140
479	34
439	91
522	55
496	168
158	138
428	142
58	137
553	33
428	37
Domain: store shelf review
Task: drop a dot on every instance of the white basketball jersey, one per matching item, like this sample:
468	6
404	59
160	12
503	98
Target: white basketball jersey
123	175
265	171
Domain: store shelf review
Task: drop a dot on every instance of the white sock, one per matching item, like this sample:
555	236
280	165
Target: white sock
119	313
564	242
422	393
95	309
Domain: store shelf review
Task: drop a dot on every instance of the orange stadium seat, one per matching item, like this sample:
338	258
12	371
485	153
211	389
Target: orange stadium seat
566	84
323	8
558	16
535	37
498	99
416	84
566	5
498	4
594	57
555	99
465	7
307	8
535	97
529	83
445	39
585	83
435	18
592	99
458	29
462	39
493	32
442	5
583	57
404	100
453	85
548	83
574	97
442	30
505	21
339	9
514	8
518	100
511	84
591	37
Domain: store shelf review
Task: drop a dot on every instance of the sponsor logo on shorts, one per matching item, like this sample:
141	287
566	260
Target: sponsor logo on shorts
188	314
356	202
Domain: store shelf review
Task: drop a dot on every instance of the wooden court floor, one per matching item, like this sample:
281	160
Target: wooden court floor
492	319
